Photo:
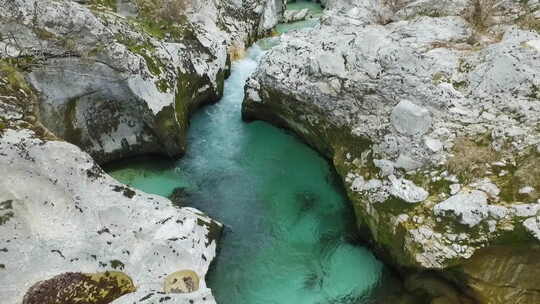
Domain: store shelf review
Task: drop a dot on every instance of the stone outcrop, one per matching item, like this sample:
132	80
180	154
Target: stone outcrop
61	214
118	86
69	231
432	122
295	15
81	84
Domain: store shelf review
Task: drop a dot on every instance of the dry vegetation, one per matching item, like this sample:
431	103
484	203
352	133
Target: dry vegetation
390	7
473	159
164	10
237	51
528	20
395	5
481	13
470	160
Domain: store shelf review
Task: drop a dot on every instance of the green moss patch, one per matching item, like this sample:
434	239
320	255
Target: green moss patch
524	173
145	49
80	288
164	19
103	4
17	96
15	80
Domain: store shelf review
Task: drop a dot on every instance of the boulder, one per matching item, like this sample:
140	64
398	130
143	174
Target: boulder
69	231
468	208
295	15
68	216
410	119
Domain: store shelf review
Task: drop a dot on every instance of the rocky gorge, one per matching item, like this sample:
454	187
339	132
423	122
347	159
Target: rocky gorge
428	111
88	82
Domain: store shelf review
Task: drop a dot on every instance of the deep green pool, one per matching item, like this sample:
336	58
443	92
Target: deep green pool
290	233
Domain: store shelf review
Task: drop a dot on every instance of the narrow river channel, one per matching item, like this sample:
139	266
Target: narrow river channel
290	232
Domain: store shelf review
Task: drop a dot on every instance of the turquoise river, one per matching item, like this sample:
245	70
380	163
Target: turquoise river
289	234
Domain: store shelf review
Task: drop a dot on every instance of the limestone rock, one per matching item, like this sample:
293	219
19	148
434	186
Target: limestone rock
116	89
61	214
407	190
532	225
468	208
70	216
535	44
411	85
505	274
385	166
407	162
295	15
410	119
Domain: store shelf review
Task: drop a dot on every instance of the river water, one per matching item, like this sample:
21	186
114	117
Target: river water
289	233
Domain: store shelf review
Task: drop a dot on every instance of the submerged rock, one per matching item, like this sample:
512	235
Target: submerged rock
454	118
179	197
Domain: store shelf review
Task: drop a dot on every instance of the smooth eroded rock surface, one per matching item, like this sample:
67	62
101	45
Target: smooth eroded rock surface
67	215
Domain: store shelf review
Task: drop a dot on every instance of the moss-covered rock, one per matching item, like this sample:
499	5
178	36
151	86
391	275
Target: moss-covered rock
412	123
145	73
18	102
79	288
503	274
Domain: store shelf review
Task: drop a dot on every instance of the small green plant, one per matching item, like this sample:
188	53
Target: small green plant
164	19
